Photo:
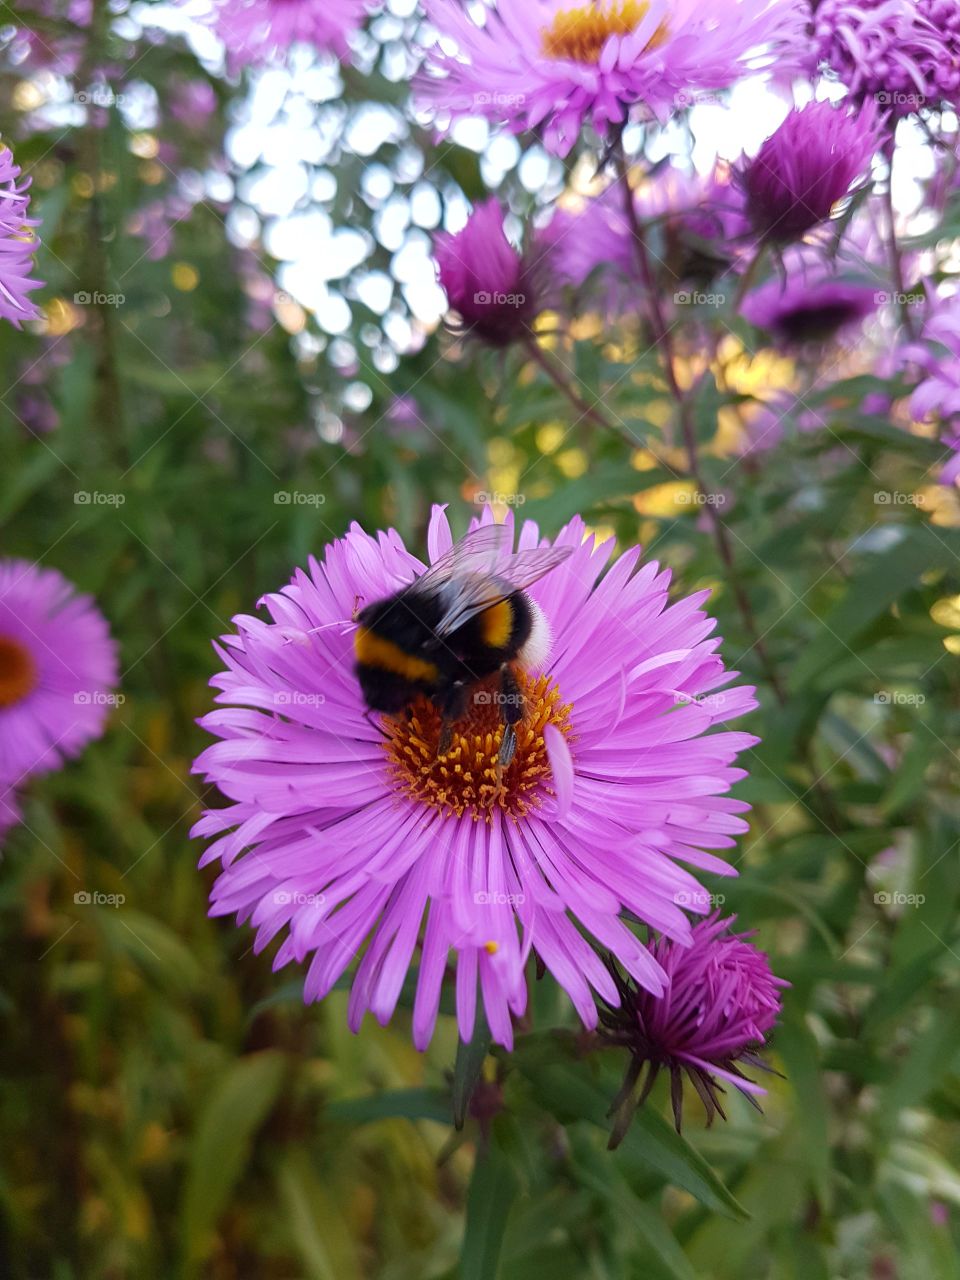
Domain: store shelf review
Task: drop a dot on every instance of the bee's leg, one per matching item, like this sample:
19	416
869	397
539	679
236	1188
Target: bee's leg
451	704
511	711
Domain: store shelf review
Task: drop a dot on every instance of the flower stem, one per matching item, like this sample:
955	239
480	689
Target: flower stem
893	246
591	412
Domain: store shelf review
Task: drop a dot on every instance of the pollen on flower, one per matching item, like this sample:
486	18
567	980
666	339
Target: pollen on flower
580	34
18	672
468	778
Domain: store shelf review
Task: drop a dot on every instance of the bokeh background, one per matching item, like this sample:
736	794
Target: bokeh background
240	354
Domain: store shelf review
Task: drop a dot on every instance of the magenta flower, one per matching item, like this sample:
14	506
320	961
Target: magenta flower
58	667
557	64
905	54
18	244
806	167
487	281
721	1002
355	840
258	30
814	304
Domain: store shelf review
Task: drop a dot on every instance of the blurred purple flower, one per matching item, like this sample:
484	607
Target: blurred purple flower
814	304
936	357
807	166
698	222
258	30
191	102
721	1001
904	54
18	244
557	64
355	840
58	668
488	283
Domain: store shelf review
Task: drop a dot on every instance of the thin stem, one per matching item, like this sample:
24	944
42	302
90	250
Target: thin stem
893	246
563	384
663	339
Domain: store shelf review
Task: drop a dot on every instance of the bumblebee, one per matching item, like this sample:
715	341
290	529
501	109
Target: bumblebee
467	618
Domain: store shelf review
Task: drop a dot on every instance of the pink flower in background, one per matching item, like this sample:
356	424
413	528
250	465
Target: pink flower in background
258	30
18	244
355	841
58	670
721	1003
558	64
815	303
488	282
806	167
936	358
694	225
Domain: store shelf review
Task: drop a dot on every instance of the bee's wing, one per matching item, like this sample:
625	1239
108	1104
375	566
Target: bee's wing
479	572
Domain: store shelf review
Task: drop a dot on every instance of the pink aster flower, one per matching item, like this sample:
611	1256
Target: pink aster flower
58	667
258	30
353	838
488	283
721	1002
806	167
18	244
561	63
905	54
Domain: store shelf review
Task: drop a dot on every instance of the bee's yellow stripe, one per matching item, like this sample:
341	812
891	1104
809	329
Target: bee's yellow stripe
496	623
376	651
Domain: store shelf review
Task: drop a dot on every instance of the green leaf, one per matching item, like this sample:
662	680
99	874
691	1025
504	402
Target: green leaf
237	1106
493	1188
467	1069
403	1104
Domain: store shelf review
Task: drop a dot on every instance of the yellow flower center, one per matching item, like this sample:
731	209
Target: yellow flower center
580	34
468	778
18	672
